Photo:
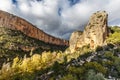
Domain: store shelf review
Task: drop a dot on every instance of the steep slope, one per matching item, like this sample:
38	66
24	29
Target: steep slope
84	64
16	23
103	63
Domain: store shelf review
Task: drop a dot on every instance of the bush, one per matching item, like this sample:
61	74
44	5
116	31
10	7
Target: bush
96	66
114	38
108	55
93	76
69	77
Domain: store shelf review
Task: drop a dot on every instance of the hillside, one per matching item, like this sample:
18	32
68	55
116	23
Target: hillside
96	58
102	63
15	43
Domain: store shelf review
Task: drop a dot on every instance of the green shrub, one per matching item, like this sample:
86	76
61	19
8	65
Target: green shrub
114	38
93	76
108	55
69	77
77	70
96	66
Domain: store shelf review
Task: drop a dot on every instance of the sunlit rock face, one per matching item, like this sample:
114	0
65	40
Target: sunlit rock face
74	39
16	23
94	34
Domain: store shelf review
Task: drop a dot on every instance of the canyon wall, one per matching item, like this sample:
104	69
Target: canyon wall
16	23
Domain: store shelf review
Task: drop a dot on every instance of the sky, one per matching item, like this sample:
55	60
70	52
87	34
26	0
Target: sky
61	17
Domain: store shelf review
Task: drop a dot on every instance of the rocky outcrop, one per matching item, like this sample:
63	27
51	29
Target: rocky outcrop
73	39
16	23
95	32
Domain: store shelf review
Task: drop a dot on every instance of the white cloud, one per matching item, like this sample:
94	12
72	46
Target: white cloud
46	15
6	5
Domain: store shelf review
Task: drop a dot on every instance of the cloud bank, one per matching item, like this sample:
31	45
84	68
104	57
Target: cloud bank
61	17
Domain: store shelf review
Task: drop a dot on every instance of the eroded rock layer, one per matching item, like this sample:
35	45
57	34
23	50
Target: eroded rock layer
16	23
95	32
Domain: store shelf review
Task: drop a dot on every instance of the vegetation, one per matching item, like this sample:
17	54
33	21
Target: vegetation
114	37
85	64
14	43
54	65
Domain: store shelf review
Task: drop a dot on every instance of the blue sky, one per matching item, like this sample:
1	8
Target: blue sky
73	2
61	17
14	1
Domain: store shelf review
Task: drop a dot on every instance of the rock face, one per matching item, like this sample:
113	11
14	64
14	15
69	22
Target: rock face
95	32
16	23
73	39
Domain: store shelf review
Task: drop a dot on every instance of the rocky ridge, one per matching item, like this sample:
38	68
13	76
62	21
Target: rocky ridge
16	23
95	32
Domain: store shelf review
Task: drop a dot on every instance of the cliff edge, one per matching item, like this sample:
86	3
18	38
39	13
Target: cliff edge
16	23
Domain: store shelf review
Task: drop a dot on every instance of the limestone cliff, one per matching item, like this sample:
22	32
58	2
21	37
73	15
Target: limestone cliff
95	32
16	23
